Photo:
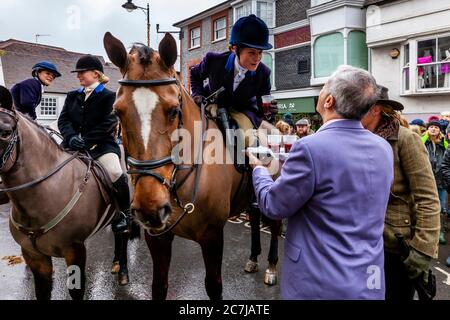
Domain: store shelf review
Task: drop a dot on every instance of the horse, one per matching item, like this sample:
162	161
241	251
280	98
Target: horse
192	199
56	201
271	273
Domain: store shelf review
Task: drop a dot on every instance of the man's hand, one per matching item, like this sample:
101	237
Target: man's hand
253	161
76	143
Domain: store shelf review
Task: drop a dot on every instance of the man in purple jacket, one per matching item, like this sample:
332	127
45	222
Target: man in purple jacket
334	189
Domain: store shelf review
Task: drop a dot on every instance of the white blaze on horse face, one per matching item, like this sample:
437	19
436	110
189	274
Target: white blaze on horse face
145	101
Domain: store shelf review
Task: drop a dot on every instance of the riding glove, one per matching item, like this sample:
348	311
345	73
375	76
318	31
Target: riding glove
76	143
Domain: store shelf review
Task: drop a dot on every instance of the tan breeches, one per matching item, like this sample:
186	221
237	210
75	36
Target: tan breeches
111	162
245	125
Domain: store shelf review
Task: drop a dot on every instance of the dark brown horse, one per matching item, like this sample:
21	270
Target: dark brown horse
56	201
153	106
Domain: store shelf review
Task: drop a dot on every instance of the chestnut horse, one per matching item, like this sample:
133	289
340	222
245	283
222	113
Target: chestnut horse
56	201
190	200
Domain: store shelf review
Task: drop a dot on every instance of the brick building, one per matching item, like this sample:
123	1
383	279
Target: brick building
292	63
18	57
311	39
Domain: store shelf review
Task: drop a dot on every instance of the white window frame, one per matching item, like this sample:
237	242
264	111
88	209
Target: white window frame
252	5
268	3
192	38
242	4
345	32
215	30
414	89
48	103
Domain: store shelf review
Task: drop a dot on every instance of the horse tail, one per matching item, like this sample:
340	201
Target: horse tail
135	230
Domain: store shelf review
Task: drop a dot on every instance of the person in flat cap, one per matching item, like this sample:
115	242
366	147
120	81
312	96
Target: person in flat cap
303	128
413	208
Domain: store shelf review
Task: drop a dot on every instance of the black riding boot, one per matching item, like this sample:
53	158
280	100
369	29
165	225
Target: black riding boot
121	222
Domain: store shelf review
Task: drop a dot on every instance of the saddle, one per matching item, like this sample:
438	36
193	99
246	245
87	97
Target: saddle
224	122
103	180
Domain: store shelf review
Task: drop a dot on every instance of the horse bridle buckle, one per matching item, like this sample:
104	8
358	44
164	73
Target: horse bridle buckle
189	208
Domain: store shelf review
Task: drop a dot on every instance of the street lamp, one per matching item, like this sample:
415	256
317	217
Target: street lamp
130	7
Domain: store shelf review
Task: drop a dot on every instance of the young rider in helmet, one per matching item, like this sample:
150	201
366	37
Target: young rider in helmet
245	79
28	93
240	71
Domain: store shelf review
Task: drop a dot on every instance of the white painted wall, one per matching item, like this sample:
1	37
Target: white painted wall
390	27
387	72
405	19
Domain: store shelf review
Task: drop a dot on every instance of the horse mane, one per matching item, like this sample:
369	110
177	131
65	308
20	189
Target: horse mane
145	53
42	129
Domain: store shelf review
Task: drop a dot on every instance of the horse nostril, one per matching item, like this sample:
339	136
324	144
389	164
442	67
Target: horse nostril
165	212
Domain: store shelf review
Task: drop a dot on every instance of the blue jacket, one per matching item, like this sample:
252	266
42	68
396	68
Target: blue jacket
218	68
334	189
27	96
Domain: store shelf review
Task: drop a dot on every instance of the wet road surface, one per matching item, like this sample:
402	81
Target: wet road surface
186	278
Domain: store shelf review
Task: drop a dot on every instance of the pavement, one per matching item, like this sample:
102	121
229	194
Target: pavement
186	278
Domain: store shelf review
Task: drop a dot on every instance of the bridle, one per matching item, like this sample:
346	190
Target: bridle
8	156
145	168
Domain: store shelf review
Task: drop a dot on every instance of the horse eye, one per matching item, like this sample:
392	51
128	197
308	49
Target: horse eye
5	134
173	113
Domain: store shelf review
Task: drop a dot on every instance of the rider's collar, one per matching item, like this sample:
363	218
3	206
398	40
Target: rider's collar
98	88
229	66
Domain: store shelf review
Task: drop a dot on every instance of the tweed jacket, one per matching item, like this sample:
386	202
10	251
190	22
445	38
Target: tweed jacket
413	208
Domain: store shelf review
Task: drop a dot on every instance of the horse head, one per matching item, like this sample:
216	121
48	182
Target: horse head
8	128
148	103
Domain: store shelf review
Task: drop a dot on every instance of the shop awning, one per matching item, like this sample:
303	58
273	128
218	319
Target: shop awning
297	105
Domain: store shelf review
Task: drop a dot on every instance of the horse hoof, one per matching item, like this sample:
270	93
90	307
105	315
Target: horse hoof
123	279
271	278
115	267
251	266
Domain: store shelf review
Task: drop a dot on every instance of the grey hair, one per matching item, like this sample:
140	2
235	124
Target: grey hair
354	90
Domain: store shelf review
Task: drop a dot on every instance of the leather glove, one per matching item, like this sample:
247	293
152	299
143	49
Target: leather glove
273	109
417	264
76	143
198	100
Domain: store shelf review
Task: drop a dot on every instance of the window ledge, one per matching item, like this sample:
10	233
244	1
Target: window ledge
426	93
219	40
193	48
319	81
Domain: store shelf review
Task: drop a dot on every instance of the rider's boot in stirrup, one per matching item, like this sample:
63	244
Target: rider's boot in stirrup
121	222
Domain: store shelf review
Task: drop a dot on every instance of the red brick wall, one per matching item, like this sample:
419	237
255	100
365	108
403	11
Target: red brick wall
292	37
189	65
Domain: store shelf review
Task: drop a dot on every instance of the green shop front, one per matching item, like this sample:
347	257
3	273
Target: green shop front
300	108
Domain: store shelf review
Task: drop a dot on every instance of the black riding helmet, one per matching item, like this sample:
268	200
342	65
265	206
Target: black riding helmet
88	62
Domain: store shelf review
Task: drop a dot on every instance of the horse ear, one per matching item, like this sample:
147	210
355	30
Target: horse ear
116	50
168	50
5	98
